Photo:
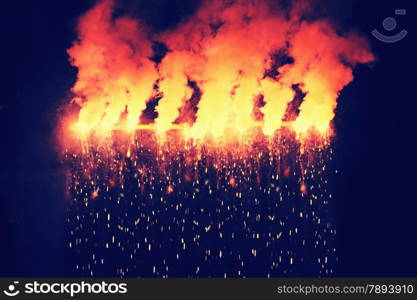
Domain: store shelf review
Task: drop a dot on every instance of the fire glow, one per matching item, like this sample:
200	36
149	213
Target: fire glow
212	157
232	66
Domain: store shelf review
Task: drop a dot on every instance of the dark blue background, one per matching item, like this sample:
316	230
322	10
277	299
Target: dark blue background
375	154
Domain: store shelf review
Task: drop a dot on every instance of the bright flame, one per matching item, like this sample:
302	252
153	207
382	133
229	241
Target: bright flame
228	53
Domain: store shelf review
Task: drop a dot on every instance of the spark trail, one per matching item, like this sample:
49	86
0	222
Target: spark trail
176	209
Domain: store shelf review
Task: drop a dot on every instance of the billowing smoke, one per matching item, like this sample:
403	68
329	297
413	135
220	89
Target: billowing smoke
114	70
234	52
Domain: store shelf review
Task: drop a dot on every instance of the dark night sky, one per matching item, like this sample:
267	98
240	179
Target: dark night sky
375	188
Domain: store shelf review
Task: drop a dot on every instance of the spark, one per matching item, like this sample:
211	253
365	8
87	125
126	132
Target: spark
239	213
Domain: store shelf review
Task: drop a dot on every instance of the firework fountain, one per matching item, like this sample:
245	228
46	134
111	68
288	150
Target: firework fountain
214	159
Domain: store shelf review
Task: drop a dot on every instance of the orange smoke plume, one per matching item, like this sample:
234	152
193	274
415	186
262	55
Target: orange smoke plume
229	51
114	72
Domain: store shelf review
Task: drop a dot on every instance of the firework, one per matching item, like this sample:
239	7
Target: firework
214	160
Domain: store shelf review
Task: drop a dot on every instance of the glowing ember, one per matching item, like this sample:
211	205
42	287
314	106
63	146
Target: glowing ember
178	209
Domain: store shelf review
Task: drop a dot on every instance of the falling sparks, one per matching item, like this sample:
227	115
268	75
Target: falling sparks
236	214
213	160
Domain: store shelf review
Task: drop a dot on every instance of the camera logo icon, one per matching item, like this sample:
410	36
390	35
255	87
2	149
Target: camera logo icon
390	24
12	290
